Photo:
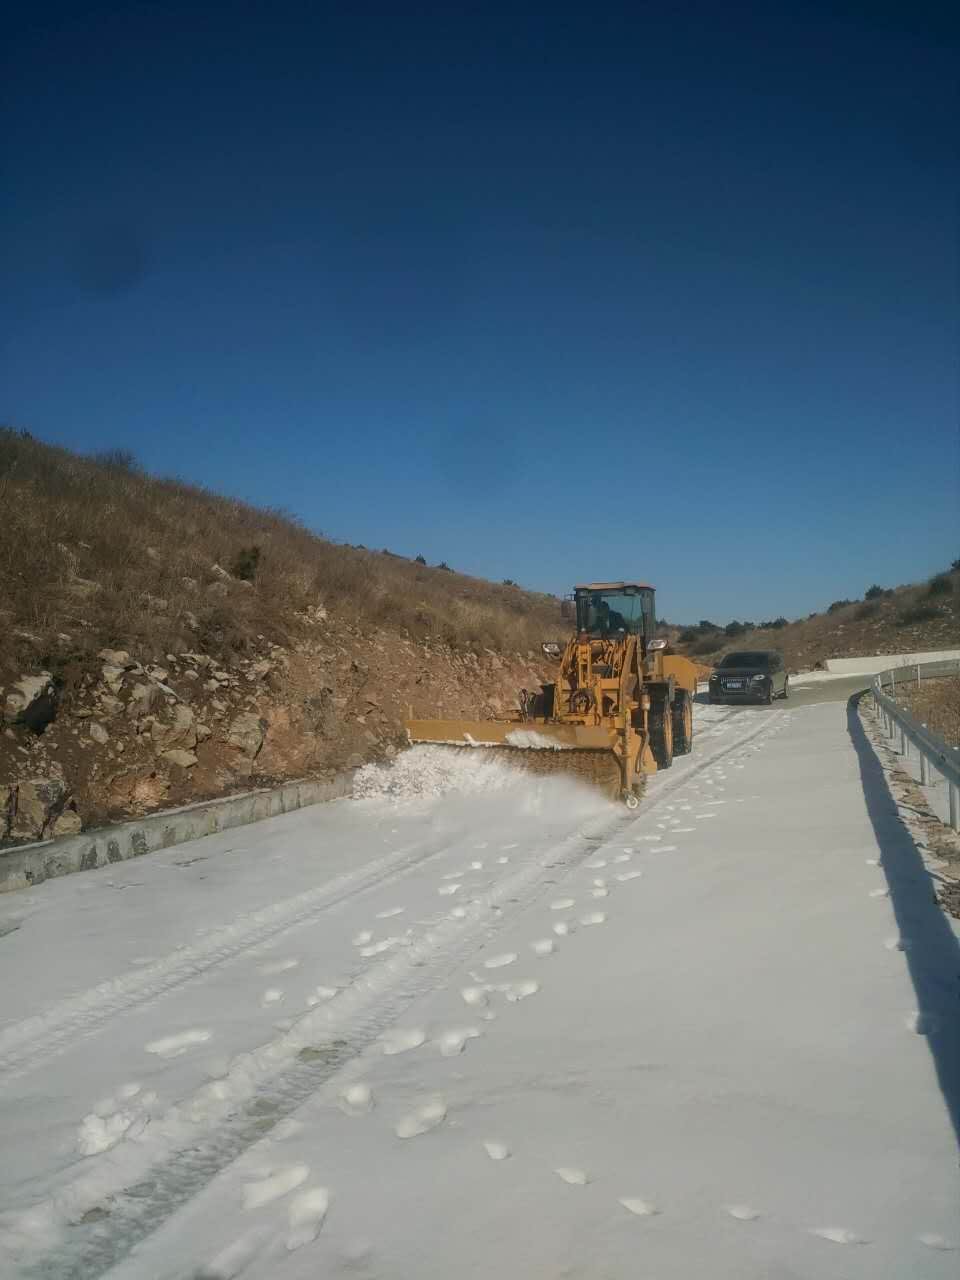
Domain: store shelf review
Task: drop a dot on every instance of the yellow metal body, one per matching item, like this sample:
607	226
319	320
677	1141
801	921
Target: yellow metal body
605	698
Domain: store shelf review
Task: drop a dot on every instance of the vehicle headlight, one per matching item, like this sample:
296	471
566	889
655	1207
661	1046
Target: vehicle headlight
757	679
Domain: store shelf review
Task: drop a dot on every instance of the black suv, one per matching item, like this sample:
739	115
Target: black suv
755	676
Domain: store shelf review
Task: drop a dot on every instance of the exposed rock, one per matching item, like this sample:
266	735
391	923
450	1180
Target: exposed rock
34	807
142	699
183	759
219	572
116	657
113	676
247	733
180	733
33	702
98	733
217	589
110	706
203	732
68	824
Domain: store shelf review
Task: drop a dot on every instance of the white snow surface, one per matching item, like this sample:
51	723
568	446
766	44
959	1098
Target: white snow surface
741	1070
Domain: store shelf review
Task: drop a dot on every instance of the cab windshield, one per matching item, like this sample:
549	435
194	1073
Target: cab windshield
759	661
604	613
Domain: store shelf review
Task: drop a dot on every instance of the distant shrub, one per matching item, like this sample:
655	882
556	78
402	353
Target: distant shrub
421	560
688	635
117	459
443	565
773	624
839	604
874	593
940	585
245	563
734	629
919	613
955	566
706	625
869	610
708	643
509	582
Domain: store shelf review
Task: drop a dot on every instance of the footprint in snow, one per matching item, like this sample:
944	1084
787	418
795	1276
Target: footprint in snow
879	893
476	866
599	893
400	1041
573	1177
476	997
562	928
597	864
458	913
305	1216
503	861
629	875
593	917
391	911
562	904
677	831
422	1120
623	857
934	1241
742	1212
446	890
173	1046
897	944
516	991
452	1042
543	946
452	875
872	862
275	1185
497	1150
507	847
362	938
378	948
319	994
837	1235
272	995
278	966
356	1099
484	844
642	1208
498	962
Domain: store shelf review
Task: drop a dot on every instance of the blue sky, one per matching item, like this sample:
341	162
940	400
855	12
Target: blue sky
548	292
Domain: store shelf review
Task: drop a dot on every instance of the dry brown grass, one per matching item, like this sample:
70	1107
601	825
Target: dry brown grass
96	553
935	703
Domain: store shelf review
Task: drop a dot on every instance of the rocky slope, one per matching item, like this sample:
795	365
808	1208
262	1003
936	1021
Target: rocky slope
122	735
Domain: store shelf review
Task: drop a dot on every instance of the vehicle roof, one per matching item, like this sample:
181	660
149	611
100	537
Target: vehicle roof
611	586
768	652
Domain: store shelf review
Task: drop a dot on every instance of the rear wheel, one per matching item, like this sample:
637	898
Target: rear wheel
682	710
768	699
660	722
786	689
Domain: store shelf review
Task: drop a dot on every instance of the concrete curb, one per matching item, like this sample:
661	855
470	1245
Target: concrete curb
31	864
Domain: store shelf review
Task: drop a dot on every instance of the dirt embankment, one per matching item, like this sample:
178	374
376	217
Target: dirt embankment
161	644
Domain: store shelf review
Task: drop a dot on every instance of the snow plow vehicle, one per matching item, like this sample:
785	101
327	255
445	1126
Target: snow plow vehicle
619	708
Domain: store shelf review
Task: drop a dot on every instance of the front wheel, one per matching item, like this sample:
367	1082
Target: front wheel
786	689
682	711
769	695
631	800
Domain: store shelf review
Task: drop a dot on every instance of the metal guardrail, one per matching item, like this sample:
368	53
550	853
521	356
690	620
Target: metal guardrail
931	748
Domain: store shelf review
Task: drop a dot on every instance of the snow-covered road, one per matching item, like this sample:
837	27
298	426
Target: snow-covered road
481	1023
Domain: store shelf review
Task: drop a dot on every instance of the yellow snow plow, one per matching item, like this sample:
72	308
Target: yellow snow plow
619	708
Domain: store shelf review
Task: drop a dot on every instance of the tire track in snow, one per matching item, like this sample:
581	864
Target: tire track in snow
191	1144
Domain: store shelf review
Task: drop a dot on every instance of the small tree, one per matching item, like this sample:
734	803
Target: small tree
245	564
940	585
443	565
421	560
734	629
117	459
873	593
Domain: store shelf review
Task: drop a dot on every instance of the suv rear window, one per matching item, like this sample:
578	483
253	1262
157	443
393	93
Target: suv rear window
761	660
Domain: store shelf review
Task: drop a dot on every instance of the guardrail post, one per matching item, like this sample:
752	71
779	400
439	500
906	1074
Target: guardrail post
923	769
918	675
903	742
955	807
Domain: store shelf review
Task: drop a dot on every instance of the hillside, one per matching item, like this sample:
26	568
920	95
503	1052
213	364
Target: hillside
162	643
914	618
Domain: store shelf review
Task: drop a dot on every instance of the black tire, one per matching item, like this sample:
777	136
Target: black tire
682	712
660	722
769	696
786	689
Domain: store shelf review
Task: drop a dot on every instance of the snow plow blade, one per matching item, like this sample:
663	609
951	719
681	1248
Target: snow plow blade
585	752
